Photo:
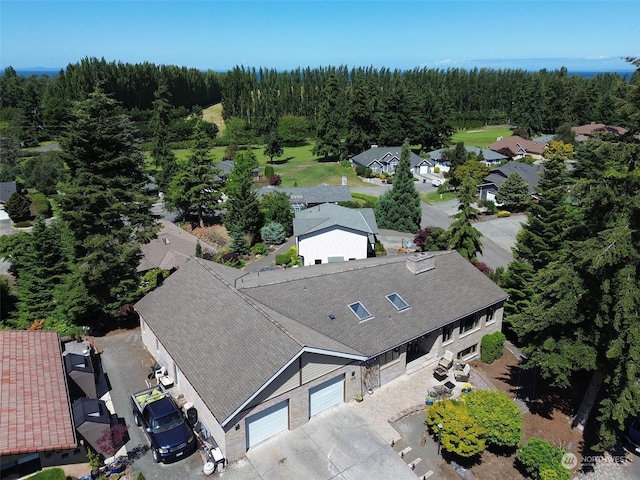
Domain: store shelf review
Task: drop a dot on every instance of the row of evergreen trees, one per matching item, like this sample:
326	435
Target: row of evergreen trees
362	105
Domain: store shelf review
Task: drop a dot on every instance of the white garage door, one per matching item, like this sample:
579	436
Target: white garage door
326	395
424	169
267	423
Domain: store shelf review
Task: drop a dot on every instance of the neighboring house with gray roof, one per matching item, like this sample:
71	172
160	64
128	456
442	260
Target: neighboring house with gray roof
6	190
490	158
306	197
331	233
260	353
492	182
172	247
386	160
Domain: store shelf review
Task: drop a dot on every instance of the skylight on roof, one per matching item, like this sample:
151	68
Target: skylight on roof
360	312
397	301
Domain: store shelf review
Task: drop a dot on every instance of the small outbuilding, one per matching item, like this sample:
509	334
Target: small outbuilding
92	419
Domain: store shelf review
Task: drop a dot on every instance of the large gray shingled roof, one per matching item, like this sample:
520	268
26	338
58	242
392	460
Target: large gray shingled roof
230	333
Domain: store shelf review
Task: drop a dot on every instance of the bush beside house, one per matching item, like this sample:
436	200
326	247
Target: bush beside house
491	347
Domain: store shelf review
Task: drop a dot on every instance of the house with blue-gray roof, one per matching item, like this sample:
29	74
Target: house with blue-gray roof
489	158
330	233
386	160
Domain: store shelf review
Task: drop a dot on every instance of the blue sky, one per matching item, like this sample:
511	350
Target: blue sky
209	34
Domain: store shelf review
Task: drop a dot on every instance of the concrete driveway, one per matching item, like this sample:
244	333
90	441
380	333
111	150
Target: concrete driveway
336	444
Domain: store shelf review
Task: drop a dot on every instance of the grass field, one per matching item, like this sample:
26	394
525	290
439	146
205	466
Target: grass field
480	138
213	114
298	166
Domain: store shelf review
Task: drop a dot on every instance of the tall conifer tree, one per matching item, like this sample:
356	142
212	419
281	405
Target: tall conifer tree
399	208
104	203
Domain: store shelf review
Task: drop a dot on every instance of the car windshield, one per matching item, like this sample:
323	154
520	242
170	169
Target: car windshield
166	423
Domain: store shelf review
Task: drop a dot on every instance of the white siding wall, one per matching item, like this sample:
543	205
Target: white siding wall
336	242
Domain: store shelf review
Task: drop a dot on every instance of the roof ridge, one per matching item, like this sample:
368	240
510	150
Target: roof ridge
249	301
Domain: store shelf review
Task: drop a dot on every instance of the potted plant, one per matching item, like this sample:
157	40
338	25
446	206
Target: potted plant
466	387
359	397
428	401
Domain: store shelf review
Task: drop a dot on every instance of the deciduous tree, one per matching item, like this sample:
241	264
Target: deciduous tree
276	207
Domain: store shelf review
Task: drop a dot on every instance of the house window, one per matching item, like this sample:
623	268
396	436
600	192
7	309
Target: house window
468	324
490	315
397	301
389	356
447	333
318	261
297	207
467	351
374	168
359	311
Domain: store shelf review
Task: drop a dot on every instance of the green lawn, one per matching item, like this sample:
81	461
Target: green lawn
434	197
480	138
298	166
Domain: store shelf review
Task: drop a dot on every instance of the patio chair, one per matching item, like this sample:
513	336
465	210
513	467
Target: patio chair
447	360
463	375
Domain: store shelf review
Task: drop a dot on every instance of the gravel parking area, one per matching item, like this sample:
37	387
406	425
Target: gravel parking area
126	363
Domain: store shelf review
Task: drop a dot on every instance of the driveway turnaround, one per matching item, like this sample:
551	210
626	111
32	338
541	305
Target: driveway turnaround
336	444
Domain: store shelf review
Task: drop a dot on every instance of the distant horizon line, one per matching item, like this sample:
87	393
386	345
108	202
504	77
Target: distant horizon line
581	69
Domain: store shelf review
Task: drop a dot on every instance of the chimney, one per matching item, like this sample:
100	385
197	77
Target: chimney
421	262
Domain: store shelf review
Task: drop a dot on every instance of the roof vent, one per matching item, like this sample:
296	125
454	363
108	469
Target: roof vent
421	262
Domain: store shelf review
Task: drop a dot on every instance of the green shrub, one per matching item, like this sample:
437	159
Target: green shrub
268	171
345	164
43	207
491	347
542	461
18	207
503	214
360	170
379	250
489	205
436	170
283	259
273	233
293	255
497	414
260	249
24	224
368	201
50	474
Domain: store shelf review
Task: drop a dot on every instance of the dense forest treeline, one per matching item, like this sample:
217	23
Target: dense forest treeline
369	105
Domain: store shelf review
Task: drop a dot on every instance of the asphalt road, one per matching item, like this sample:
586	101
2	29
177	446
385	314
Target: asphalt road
498	236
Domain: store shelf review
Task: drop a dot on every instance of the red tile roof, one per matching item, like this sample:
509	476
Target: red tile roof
34	403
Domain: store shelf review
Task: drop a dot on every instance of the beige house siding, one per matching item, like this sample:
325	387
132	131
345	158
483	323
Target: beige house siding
310	370
315	365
